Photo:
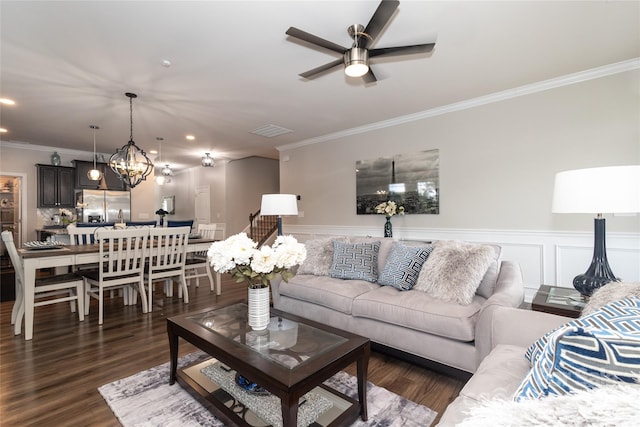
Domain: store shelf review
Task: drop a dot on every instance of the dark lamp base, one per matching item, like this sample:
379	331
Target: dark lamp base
586	285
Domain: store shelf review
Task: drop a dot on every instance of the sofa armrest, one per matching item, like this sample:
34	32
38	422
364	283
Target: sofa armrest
513	326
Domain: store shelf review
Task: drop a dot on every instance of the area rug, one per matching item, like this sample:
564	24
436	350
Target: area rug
147	399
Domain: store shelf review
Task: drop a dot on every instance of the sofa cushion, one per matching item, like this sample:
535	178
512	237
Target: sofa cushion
403	266
454	270
488	284
622	315
319	256
355	261
386	243
336	294
576	359
420	311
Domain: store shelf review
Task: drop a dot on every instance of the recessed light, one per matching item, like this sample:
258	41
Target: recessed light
166	63
7	101
153	151
3	130
190	137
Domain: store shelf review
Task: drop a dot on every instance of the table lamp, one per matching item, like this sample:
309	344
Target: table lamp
614	189
279	204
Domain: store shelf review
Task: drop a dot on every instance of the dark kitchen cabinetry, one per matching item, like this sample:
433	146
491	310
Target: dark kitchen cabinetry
55	186
111	179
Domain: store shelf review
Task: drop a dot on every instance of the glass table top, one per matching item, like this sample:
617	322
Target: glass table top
285	342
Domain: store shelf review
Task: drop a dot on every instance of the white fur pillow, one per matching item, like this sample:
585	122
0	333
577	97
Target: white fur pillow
319	256
615	405
454	270
609	293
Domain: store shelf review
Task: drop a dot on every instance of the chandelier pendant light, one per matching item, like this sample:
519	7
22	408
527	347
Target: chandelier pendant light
207	161
166	173
94	174
130	162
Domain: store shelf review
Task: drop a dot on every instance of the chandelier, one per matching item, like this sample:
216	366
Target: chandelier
207	161
130	162
166	173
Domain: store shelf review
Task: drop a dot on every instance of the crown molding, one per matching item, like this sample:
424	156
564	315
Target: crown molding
569	79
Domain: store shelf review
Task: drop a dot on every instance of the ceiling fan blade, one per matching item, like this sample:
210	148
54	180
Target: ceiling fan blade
318	41
379	19
316	71
369	77
402	50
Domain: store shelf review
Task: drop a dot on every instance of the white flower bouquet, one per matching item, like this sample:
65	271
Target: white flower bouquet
239	256
389	209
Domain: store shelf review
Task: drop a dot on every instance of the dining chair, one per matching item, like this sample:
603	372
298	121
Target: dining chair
64	287
180	223
122	256
167	256
81	235
197	264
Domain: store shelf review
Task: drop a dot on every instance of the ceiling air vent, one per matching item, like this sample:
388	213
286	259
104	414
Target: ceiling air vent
269	131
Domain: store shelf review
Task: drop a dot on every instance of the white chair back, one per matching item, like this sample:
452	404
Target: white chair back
83	235
122	253
168	248
207	231
7	238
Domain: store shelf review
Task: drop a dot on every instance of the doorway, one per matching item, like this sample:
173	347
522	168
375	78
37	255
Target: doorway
11	201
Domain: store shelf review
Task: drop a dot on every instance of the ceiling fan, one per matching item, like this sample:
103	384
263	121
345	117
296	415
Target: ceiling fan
356	58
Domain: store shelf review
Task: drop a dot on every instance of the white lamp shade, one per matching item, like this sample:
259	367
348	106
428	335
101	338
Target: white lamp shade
279	204
614	189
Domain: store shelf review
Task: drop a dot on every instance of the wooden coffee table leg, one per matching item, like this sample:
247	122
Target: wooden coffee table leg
173	352
289	411
363	366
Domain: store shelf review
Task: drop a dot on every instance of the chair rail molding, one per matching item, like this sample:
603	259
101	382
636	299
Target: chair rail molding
546	257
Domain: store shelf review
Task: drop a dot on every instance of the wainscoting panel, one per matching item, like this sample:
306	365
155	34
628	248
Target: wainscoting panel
546	257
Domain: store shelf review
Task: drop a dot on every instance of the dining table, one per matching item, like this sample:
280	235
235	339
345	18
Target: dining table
67	256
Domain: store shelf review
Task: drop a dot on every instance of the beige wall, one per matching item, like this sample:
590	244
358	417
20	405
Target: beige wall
497	161
247	180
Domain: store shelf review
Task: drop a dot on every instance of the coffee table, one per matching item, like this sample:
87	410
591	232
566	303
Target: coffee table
289	359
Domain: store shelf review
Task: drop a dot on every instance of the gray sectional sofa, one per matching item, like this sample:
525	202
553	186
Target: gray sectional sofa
416	322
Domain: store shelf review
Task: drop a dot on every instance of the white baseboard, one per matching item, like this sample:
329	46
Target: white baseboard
546	257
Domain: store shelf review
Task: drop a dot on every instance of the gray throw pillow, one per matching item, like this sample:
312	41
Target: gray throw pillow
403	266
355	261
454	270
319	256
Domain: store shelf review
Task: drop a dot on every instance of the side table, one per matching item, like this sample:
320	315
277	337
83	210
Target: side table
558	300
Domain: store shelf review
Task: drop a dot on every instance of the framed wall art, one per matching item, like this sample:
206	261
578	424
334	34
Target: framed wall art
411	180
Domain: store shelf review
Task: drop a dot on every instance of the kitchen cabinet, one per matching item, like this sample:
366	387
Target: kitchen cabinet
112	180
55	186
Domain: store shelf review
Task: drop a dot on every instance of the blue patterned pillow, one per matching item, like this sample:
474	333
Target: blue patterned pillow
403	266
578	358
355	261
622	315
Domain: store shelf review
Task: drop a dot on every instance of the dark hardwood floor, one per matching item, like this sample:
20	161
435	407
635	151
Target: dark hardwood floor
53	379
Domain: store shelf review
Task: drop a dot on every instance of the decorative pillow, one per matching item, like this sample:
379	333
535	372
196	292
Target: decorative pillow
488	284
454	271
576	358
319	256
355	261
609	293
622	315
403	266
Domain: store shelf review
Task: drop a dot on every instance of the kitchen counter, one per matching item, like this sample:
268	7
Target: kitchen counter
50	230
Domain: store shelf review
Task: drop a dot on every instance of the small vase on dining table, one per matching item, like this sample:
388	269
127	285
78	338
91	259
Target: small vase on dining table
258	315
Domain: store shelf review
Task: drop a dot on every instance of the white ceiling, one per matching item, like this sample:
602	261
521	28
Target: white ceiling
68	64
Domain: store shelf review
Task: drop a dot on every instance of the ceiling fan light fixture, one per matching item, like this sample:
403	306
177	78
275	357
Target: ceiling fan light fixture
207	161
356	61
94	174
